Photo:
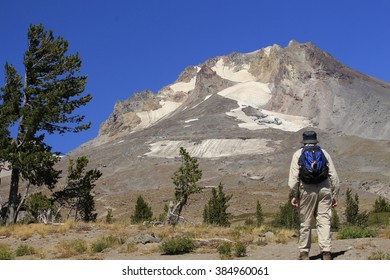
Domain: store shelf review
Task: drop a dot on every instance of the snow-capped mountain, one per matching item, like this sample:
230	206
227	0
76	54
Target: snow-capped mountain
299	80
243	115
285	89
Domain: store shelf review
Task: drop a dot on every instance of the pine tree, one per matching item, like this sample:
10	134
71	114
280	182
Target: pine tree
41	103
381	205
335	221
185	180
142	211
351	207
259	214
215	212
77	193
287	216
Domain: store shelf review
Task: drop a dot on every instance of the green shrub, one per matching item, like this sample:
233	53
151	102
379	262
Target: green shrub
5	254
104	243
36	203
142	212
109	216
98	246
79	245
236	232
351	232
67	249
24	250
225	250
177	245
240	249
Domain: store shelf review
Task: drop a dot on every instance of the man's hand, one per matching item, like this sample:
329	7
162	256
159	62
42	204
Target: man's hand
294	202
334	202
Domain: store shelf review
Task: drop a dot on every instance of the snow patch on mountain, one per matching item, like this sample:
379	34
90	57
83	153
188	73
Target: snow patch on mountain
185	87
191	120
267	51
256	95
269	119
253	94
210	148
150	117
228	73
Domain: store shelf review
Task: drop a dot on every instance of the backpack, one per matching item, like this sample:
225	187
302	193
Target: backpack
313	168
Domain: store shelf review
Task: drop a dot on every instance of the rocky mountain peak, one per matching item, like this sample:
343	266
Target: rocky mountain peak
208	82
188	74
124	117
242	115
298	80
206	72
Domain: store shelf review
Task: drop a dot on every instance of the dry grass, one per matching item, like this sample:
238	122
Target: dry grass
385	232
67	249
128	248
73	240
26	231
115	235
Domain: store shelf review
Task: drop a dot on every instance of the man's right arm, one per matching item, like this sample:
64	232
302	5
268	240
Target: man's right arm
293	178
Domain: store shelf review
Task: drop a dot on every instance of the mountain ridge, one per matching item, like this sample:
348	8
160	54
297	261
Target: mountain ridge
303	81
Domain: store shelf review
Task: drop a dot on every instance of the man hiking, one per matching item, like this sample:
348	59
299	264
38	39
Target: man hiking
314	186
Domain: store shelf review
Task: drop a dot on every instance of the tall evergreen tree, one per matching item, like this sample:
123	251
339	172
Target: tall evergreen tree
142	212
351	207
287	216
259	214
185	180
41	102
215	212
381	205
335	221
77	194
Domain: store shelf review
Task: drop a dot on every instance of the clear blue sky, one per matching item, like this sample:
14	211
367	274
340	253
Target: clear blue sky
129	46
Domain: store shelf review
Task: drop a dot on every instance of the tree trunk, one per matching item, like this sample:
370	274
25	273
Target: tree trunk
13	198
174	211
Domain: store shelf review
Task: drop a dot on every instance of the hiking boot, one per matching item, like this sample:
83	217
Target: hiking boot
303	256
326	256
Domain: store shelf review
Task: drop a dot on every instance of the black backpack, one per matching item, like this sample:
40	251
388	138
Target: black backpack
313	166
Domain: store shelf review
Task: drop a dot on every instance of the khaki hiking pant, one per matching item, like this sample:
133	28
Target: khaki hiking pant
315	201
